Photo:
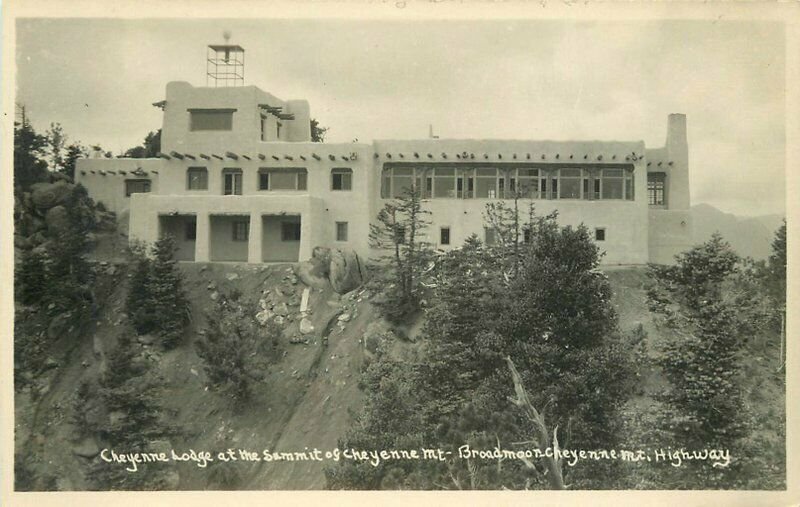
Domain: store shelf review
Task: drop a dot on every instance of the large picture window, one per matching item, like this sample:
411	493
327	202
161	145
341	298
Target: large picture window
613	184
570	180
282	178
241	230
211	119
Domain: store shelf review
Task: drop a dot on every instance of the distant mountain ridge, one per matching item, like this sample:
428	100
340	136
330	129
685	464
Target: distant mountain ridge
749	236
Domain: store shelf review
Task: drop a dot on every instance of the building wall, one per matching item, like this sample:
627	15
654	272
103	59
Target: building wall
176	227
273	247
670	226
147	208
104	178
181	96
625	222
222	246
635	233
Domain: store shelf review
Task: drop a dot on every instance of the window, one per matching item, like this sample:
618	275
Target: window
341	179
629	186
211	119
600	234
197	178
276	178
526	181
612	186
570	183
232	181
263	127
527	235
241	230
290	231
444	236
490	235
341	231
485	183
278	126
656	195
136	187
190	230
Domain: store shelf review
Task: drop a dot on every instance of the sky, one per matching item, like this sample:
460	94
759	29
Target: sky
367	79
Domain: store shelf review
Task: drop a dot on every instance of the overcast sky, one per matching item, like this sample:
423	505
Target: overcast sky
470	79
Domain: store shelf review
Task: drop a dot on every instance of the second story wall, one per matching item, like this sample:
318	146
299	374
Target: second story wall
231	119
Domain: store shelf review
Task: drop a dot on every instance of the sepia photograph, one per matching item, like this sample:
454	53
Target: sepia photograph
263	253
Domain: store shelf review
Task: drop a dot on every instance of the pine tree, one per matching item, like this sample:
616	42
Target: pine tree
400	233
165	289
31	280
556	321
701	301
129	391
235	349
139	304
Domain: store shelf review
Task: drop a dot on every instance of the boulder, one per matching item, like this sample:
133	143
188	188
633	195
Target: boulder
56	218
345	317
313	273
47	195
306	327
146	339
232	276
86	448
282	309
323	255
346	270
58	326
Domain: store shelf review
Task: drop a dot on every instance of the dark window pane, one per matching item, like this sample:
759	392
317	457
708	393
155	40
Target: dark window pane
444	237
211	120
290	231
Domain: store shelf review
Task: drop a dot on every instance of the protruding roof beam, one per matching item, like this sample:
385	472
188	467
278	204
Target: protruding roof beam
161	104
316	157
246	157
162	155
332	157
276	157
232	155
262	156
204	156
217	156
189	156
288	157
176	155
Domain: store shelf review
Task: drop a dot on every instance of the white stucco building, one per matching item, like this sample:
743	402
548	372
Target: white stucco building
238	179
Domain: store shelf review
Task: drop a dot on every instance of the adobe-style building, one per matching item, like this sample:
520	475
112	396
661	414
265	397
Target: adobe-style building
239	179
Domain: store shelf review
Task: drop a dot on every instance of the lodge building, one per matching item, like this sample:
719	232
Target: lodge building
239	179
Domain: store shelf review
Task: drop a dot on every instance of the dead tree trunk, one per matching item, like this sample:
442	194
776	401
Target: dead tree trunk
542	436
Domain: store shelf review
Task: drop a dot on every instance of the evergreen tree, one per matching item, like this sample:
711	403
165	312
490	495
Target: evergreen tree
74	152
235	349
139	304
165	289
29	156
702	302
400	233
556	321
129	391
31	280
69	275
